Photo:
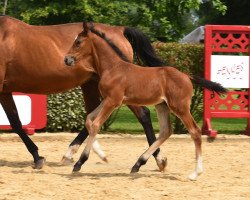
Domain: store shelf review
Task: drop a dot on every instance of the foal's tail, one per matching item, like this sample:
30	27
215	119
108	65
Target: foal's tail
210	85
143	50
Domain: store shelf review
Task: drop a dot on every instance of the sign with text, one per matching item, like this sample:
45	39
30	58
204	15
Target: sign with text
230	71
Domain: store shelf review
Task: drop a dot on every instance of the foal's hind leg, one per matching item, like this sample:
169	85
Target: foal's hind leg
143	116
94	122
195	133
11	111
91	99
165	132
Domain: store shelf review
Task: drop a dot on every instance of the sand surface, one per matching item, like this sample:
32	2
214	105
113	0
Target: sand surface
226	170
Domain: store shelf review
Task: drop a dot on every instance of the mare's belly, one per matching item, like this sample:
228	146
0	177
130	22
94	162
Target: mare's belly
39	85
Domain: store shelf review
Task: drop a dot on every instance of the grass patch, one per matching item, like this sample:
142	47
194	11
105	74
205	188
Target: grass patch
229	125
127	122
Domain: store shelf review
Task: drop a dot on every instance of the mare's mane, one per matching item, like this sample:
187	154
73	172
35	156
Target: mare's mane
109	42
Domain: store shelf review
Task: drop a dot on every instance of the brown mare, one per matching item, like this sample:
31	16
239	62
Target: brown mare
31	61
122	82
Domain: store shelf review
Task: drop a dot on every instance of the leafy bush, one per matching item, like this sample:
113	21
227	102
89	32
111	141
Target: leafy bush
65	111
187	58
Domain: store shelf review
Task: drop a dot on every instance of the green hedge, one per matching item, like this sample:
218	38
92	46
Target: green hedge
66	113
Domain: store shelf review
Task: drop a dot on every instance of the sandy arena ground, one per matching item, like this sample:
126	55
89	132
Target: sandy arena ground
226	170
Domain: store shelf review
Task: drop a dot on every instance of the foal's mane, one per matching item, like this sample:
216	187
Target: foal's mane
109	42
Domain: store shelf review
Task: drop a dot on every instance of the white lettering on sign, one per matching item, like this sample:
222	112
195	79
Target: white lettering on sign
230	71
23	104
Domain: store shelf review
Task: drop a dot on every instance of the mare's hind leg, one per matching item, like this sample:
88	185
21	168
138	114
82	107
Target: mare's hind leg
94	122
195	133
91	97
10	109
165	132
143	116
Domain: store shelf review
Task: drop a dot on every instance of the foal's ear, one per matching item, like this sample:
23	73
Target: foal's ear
85	28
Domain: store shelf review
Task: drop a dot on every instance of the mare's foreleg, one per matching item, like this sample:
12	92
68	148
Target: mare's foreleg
91	97
143	115
94	122
10	109
165	132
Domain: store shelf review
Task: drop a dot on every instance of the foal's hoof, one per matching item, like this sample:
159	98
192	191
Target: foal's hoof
105	160
193	176
134	169
66	161
162	164
77	168
39	163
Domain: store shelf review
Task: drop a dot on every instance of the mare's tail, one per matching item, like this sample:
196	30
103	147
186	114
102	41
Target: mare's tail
210	85
143	50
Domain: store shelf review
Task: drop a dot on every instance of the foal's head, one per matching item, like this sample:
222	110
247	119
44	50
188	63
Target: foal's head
81	48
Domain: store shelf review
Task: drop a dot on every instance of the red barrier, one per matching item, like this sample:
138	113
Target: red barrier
32	110
227	50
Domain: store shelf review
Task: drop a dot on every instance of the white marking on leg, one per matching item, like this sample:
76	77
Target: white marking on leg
68	157
97	149
199	165
71	151
198	169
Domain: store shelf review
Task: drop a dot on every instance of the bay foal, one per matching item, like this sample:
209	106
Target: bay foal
122	82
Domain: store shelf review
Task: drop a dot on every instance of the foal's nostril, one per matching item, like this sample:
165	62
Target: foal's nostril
66	60
69	60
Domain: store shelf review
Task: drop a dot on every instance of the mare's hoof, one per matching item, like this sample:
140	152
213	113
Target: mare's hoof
66	161
40	163
162	164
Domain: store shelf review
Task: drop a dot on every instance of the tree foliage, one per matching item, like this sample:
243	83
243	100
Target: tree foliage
160	19
237	13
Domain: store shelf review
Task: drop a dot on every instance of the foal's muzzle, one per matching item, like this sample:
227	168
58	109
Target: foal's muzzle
69	60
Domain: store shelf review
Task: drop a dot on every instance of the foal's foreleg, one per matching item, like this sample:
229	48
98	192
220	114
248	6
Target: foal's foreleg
165	131
143	115
91	99
94	122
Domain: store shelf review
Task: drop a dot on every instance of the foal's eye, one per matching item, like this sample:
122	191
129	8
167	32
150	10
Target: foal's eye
77	43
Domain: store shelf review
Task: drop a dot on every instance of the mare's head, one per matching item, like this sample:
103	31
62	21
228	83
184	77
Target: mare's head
81	48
